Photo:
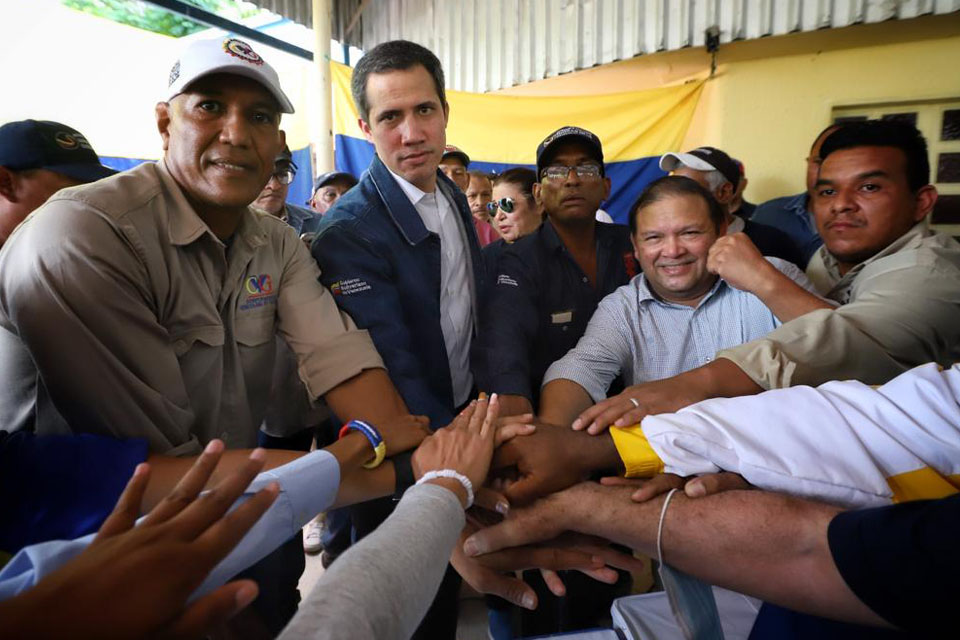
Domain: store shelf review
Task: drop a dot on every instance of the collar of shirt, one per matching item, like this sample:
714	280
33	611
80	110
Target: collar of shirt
553	242
736	226
186	226
841	284
413	192
646	295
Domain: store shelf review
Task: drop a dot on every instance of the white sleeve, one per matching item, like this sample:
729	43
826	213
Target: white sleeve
843	442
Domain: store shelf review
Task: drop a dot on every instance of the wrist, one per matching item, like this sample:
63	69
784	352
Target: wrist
599	452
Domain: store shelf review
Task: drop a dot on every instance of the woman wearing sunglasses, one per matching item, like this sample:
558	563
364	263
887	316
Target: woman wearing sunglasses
513	209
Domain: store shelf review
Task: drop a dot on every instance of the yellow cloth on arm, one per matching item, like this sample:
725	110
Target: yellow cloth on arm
639	458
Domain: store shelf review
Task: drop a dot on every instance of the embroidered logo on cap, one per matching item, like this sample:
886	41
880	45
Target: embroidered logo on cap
240	49
71	141
174	73
66	140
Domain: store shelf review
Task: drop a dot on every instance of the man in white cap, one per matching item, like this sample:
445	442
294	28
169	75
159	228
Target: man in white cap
719	174
146	305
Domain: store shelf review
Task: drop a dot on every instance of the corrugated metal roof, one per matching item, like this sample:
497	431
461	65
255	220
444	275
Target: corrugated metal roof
492	44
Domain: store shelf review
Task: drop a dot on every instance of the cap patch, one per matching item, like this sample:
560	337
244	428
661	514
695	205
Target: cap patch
240	49
566	131
70	141
174	73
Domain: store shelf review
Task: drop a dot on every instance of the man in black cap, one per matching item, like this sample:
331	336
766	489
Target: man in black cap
273	198
327	189
719	174
37	159
547	285
544	289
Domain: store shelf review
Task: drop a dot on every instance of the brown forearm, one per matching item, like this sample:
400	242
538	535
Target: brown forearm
763	544
721	378
512	405
166	471
561	401
369	395
788	300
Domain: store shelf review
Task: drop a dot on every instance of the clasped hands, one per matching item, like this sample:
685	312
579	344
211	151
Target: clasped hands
544	466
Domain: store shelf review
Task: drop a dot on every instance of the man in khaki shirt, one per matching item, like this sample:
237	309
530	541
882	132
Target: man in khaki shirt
897	283
146	305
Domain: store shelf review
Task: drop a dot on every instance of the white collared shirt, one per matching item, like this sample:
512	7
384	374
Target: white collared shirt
456	285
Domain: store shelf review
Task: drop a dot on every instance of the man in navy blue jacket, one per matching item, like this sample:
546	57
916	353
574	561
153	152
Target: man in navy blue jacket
400	254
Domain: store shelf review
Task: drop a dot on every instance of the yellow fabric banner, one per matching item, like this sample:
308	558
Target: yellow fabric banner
507	129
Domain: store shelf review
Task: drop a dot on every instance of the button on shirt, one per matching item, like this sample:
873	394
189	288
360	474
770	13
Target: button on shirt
456	282
540	303
636	334
122	314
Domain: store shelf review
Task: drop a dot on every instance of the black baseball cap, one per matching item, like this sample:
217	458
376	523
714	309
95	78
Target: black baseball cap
326	178
43	144
704	159
565	134
285	158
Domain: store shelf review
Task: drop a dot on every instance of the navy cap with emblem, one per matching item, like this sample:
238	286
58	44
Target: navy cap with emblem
43	144
565	134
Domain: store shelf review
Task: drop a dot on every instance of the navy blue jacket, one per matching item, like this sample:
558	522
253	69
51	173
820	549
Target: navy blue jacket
383	266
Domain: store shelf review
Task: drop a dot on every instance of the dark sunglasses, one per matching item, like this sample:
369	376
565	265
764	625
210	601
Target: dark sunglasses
507	204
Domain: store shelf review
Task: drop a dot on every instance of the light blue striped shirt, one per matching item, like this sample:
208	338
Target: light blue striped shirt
638	335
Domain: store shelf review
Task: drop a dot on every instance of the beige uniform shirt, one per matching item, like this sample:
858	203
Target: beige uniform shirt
122	314
899	309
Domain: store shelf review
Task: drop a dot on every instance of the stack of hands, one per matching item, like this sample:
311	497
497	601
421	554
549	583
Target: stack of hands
532	490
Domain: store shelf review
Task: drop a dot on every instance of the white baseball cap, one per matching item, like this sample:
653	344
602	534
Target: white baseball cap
225	55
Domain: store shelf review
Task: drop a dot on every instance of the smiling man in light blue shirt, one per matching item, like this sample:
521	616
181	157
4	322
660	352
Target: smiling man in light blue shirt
678	313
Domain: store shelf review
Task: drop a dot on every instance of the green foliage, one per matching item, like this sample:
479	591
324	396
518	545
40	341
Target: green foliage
144	15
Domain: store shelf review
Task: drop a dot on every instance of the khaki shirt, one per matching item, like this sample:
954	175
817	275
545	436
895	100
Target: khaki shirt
123	314
899	309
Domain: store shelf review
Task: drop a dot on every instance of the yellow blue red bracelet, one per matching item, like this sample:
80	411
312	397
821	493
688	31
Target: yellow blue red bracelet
371	433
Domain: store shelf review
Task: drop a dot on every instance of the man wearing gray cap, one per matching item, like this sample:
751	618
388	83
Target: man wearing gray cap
37	159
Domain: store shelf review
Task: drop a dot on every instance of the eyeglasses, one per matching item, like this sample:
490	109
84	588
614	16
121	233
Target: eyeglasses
284	174
507	204
560	172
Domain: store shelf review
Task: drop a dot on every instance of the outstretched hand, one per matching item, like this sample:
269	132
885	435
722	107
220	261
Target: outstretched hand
138	578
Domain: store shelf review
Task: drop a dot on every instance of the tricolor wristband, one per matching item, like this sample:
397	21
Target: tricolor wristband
456	475
371	433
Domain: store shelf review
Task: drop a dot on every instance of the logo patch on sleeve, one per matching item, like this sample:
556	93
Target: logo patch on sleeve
349	287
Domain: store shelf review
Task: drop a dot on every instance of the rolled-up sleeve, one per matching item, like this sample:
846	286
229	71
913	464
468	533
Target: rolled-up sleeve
899	318
330	348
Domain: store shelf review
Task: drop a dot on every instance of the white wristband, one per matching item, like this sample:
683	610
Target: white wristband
450	473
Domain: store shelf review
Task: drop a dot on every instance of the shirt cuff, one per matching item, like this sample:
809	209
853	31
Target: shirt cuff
310	483
639	458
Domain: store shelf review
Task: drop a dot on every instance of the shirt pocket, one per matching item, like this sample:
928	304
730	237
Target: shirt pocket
185	339
255	329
